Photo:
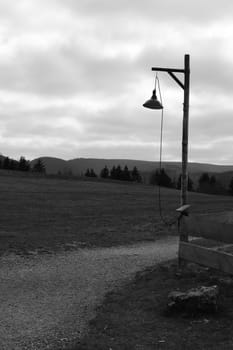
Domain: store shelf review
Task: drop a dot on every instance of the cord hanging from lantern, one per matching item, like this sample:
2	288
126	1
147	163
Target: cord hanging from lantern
157	82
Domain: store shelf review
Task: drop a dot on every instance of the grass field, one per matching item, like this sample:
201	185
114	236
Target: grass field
43	214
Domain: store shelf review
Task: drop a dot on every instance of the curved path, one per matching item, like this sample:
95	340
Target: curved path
46	301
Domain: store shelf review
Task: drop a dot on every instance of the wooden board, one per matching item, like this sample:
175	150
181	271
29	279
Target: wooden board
206	256
202	226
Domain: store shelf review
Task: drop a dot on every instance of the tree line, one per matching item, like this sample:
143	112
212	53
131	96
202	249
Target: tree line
209	184
161	178
22	164
117	173
206	183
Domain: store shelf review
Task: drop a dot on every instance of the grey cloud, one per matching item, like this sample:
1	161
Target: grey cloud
215	153
65	71
119	125
49	122
209	68
15	147
165	10
70	69
117	150
212	72
211	126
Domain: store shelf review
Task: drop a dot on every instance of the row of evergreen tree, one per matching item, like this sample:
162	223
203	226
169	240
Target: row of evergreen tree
117	173
206	183
209	184
161	178
22	165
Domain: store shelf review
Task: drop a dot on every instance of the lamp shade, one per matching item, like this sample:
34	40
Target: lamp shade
153	102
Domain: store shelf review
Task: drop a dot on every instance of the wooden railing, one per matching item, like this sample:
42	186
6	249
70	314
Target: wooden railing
203	226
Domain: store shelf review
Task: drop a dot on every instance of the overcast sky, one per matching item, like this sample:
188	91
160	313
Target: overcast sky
75	73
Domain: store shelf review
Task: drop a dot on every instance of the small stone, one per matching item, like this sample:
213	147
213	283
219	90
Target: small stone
204	299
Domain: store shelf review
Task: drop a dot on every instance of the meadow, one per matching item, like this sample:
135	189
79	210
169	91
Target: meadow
41	214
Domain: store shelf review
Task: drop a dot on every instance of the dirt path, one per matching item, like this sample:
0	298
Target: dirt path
46	301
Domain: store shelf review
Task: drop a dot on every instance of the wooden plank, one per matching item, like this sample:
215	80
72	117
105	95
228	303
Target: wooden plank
206	256
201	226
159	69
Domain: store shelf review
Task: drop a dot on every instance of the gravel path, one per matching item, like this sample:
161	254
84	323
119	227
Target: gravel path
47	300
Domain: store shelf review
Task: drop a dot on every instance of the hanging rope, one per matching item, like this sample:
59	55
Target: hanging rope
167	223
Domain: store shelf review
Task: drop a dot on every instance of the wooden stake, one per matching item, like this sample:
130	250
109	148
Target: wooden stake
184	178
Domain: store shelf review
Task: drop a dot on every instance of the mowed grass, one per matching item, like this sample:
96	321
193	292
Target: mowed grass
47	214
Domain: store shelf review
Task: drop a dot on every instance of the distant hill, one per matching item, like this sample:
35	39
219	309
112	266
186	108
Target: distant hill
79	166
53	165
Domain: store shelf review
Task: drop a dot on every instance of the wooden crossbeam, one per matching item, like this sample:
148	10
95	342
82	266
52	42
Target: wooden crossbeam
201	226
207	257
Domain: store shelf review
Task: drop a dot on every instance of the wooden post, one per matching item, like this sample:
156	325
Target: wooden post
184	177
185	87
184	183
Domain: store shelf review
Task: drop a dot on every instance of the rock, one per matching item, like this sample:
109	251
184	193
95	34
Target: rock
201	299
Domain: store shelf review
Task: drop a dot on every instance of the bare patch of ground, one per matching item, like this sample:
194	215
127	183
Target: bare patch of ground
136	316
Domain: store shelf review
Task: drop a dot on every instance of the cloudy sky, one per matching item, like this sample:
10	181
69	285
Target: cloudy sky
75	73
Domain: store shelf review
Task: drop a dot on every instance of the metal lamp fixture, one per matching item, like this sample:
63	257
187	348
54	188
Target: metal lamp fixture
153	102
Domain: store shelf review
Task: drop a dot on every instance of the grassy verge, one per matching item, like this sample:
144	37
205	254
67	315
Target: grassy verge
46	215
135	317
43	214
